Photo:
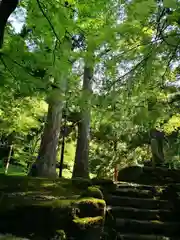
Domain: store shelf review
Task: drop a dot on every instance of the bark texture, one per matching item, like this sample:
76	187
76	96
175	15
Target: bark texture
45	165
81	165
6	8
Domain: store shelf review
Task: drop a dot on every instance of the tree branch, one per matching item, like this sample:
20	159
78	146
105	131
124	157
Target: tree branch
51	25
130	71
6	67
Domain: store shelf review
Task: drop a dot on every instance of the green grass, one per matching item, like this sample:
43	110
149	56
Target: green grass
19	171
30	185
14	170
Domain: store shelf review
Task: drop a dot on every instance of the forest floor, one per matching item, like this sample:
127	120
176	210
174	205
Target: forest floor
26	186
20	171
41	206
27	202
13	170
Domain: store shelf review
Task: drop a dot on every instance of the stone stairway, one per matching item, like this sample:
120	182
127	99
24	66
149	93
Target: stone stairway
143	212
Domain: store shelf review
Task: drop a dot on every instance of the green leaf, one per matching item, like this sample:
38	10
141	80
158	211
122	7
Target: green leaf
170	3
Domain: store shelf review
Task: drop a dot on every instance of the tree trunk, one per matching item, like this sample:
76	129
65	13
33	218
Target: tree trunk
9	158
62	157
81	165
45	165
64	134
6	8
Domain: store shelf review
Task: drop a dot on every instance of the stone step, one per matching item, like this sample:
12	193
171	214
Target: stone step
147	227
162	172
142	203
133	192
143	237
148	175
138	186
141	214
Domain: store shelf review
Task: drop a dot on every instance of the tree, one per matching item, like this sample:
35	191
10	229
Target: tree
81	165
134	53
91	43
6	8
45	165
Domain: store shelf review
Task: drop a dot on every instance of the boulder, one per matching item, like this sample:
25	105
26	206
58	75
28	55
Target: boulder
131	173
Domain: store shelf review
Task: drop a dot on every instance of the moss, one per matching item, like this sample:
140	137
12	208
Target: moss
157	222
60	235
89	221
35	205
99	181
91	200
81	183
105	185
89	207
9	237
42	206
55	187
56	203
88	228
40	218
93	192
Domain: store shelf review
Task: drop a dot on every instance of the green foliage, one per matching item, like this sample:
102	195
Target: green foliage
133	53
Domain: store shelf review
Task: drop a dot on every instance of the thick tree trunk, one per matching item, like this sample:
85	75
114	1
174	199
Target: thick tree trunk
81	165
45	165
6	8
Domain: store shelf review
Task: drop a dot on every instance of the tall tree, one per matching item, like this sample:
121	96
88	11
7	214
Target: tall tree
58	71
45	165
81	165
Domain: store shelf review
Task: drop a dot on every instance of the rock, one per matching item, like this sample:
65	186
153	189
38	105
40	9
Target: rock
89	217
90	228
93	192
89	207
81	183
42	219
102	182
131	173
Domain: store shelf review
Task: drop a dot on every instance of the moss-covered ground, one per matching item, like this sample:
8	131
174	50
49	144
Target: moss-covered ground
37	208
35	205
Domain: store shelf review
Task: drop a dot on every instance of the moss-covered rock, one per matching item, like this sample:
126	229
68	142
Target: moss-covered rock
88	228
43	219
93	192
59	235
105	185
36	206
81	183
51	187
102	182
89	207
10	237
88	221
88	218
